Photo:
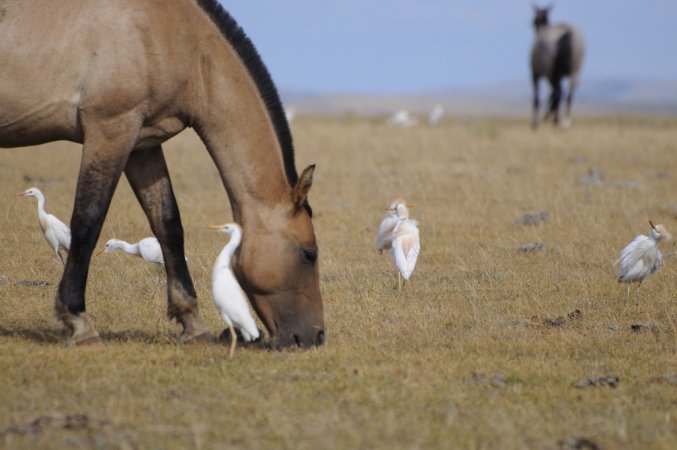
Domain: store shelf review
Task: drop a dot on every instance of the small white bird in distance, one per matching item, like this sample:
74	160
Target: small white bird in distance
384	236
402	118
641	257
228	296
57	234
405	246
147	249
436	115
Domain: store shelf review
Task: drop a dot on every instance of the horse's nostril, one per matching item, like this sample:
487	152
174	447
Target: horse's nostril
319	339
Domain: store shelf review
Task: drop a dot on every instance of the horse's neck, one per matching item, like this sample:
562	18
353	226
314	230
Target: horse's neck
235	124
249	161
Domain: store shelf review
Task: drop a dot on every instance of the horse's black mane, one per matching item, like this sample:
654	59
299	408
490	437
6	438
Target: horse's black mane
250	57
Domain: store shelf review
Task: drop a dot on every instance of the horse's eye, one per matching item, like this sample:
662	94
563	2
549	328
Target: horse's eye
309	255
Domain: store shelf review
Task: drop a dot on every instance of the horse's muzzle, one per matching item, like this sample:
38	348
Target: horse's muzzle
315	339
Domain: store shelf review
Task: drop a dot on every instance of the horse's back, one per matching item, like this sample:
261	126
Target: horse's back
62	57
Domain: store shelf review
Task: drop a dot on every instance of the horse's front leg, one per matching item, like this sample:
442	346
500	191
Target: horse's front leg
555	98
104	155
147	173
536	103
573	83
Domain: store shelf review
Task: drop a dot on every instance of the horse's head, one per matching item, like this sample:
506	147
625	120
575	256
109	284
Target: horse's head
541	16
278	269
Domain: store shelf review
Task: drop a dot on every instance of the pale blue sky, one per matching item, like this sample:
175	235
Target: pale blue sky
416	46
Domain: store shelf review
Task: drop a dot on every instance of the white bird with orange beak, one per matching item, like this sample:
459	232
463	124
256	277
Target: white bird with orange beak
641	257
405	245
147	249
228	296
384	236
57	234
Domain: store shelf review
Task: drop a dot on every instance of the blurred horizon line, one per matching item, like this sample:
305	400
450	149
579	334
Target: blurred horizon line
509	97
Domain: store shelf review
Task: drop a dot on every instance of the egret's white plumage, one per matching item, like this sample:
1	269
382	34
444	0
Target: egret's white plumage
228	296
384	236
402	118
57	234
147	249
436	115
290	113
405	245
641	257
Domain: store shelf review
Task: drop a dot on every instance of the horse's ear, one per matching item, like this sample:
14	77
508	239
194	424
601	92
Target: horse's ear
300	191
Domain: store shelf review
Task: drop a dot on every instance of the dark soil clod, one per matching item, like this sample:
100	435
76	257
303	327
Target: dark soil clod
593	382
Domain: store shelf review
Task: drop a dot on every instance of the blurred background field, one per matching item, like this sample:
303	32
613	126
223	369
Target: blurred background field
481	350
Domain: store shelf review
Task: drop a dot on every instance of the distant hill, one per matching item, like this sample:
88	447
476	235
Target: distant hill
508	98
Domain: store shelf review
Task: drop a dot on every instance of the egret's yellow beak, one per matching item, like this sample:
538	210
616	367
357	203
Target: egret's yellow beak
21	193
410	206
99	252
215	227
652	225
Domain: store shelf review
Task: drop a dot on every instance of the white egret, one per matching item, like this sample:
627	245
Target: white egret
228	296
641	257
402	118
405	245
384	236
436	115
290	113
56	233
147	249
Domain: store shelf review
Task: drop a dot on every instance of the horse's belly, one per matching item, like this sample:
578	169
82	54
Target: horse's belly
156	133
26	123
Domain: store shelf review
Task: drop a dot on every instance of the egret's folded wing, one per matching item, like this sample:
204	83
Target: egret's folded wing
61	231
150	250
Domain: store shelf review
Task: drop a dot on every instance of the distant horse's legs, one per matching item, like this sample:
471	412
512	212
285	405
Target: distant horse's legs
555	98
536	105
105	151
147	173
573	83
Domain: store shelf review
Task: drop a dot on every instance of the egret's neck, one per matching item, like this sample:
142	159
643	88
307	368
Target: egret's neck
132	249
226	254
41	202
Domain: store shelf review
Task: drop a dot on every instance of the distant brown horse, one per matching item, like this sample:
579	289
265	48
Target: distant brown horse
121	77
557	53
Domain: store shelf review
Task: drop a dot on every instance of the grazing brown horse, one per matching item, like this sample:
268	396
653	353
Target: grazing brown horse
557	53
121	77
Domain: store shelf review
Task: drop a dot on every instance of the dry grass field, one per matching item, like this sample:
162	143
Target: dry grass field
463	357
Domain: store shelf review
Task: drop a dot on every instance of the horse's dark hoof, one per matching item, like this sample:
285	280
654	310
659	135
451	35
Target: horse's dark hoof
84	332
90	341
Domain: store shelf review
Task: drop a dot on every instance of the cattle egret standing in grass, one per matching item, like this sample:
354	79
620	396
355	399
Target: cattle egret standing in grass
56	233
228	296
147	249
384	237
641	257
405	245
